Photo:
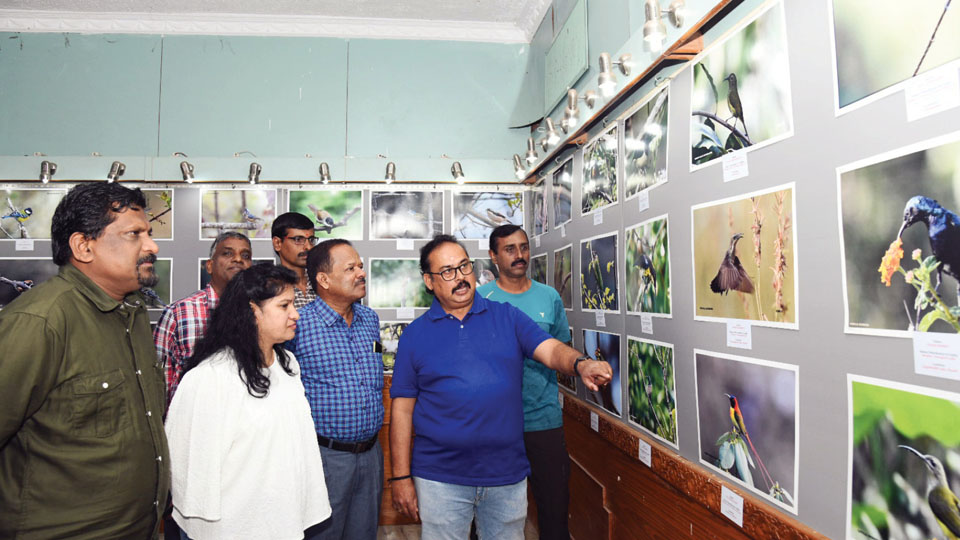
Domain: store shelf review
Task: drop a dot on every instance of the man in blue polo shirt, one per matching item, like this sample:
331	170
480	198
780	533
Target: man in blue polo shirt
542	416
457	383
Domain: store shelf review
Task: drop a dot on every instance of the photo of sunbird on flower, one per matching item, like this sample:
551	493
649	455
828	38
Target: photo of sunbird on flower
745	258
598	274
901	240
652	389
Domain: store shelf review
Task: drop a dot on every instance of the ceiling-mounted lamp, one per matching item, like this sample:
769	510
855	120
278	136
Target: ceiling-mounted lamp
391	174
186	170
47	170
325	173
518	167
116	171
457	171
607	81
654	31
552	136
571	115
254	175
531	151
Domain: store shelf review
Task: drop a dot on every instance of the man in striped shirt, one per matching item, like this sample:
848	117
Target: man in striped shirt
341	367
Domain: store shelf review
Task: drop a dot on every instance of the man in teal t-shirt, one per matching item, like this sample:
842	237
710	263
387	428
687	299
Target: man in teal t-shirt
542	417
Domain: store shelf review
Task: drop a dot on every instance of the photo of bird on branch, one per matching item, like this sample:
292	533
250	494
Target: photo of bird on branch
645	144
599	188
476	214
648	268
335	213
563	274
652	389
562	193
539	221
246	211
741	90
17	276
605	347
406	214
598	274
159	212
26	213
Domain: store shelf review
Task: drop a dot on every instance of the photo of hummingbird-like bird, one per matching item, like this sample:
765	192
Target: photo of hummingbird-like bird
731	276
943	230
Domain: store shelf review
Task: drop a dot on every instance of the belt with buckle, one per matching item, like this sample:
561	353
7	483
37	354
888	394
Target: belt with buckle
353	447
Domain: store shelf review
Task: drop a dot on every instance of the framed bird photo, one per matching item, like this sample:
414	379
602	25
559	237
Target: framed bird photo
600	187
390	332
485	270
645	143
158	296
563	274
605	347
539	213
900	240
27	213
897	44
160	212
598	274
406	214
741	95
647	266
477	213
745	259
748	423
652	388
396	283
562	193
246	211
20	274
538	268
335	213
903	445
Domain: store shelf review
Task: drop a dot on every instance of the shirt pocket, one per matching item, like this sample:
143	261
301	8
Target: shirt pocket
99	404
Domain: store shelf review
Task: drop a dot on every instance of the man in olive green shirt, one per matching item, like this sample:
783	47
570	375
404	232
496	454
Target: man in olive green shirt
82	447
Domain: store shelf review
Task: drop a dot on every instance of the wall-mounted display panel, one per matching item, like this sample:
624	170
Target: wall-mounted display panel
600	178
645	128
396	283
247	211
598	274
605	347
336	213
477	213
741	94
27	213
745	258
652	389
647	265
406	214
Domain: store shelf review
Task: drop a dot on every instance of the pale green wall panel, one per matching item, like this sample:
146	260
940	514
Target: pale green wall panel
281	97
427	98
72	94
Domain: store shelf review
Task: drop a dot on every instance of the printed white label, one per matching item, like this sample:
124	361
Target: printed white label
594	421
405	313
932	92
483	244
598	217
563	231
601	319
536	241
735	165
936	354
643	200
404	244
646	324
24	244
731	505
739	335
645	452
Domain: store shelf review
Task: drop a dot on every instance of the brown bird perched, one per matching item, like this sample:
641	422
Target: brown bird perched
731	276
733	101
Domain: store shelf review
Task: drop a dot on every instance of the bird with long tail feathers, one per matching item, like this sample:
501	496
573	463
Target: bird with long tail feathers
736	416
943	502
731	276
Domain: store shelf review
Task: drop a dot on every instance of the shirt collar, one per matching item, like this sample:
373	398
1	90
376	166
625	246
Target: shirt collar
90	290
436	311
329	316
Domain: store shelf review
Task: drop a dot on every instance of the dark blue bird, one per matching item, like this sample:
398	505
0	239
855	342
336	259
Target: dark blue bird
943	229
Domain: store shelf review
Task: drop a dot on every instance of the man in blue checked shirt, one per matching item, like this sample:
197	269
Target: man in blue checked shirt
457	384
336	344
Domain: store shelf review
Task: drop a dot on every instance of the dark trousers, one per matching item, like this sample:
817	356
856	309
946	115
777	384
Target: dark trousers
549	481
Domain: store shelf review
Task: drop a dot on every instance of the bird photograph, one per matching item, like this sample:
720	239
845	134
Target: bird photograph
477	213
485	270
247	211
904	462
599	188
598	274
159	212
396	283
335	213
744	258
651	388
158	296
605	347
648	268
645	144
539	218
563	274
18	276
390	332
538	268
406	214
747	418
27	213
901	240
562	192
741	90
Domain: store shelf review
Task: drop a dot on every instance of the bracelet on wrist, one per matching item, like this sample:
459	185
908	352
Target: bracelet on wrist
399	477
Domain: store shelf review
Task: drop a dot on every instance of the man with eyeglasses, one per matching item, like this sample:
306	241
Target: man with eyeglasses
542	415
293	236
457	384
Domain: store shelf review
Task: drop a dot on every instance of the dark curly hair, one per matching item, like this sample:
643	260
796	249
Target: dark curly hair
88	209
234	326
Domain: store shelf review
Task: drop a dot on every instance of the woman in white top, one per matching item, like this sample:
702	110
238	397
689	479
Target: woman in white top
243	450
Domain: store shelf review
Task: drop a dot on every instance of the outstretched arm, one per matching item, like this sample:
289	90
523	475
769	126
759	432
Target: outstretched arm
556	355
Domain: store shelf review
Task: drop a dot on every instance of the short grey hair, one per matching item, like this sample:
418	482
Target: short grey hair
225	235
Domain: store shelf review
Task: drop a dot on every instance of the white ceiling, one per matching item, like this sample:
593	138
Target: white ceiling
505	21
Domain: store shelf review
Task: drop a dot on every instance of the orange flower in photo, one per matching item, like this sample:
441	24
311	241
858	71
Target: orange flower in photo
891	261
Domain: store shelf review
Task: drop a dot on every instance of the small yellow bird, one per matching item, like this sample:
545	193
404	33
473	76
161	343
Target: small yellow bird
943	502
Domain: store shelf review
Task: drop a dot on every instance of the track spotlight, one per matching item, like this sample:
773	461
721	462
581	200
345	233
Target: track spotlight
571	115
116	171
531	151
47	170
457	171
391	175
186	169
552	136
654	31
325	173
518	167
254	176
606	80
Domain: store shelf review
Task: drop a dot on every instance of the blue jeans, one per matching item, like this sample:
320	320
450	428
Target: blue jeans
446	510
355	488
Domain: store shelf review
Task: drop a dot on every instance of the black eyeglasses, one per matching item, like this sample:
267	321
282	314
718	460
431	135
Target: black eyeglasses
300	240
450	274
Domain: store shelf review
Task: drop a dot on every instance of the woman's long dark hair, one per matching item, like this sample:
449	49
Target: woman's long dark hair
234	325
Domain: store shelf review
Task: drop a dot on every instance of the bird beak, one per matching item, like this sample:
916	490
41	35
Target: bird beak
903	227
912	449
728	395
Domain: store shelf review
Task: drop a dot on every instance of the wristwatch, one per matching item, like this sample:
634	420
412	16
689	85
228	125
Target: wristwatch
576	364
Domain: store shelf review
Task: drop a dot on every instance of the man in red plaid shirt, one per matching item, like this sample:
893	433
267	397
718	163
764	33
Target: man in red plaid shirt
184	322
